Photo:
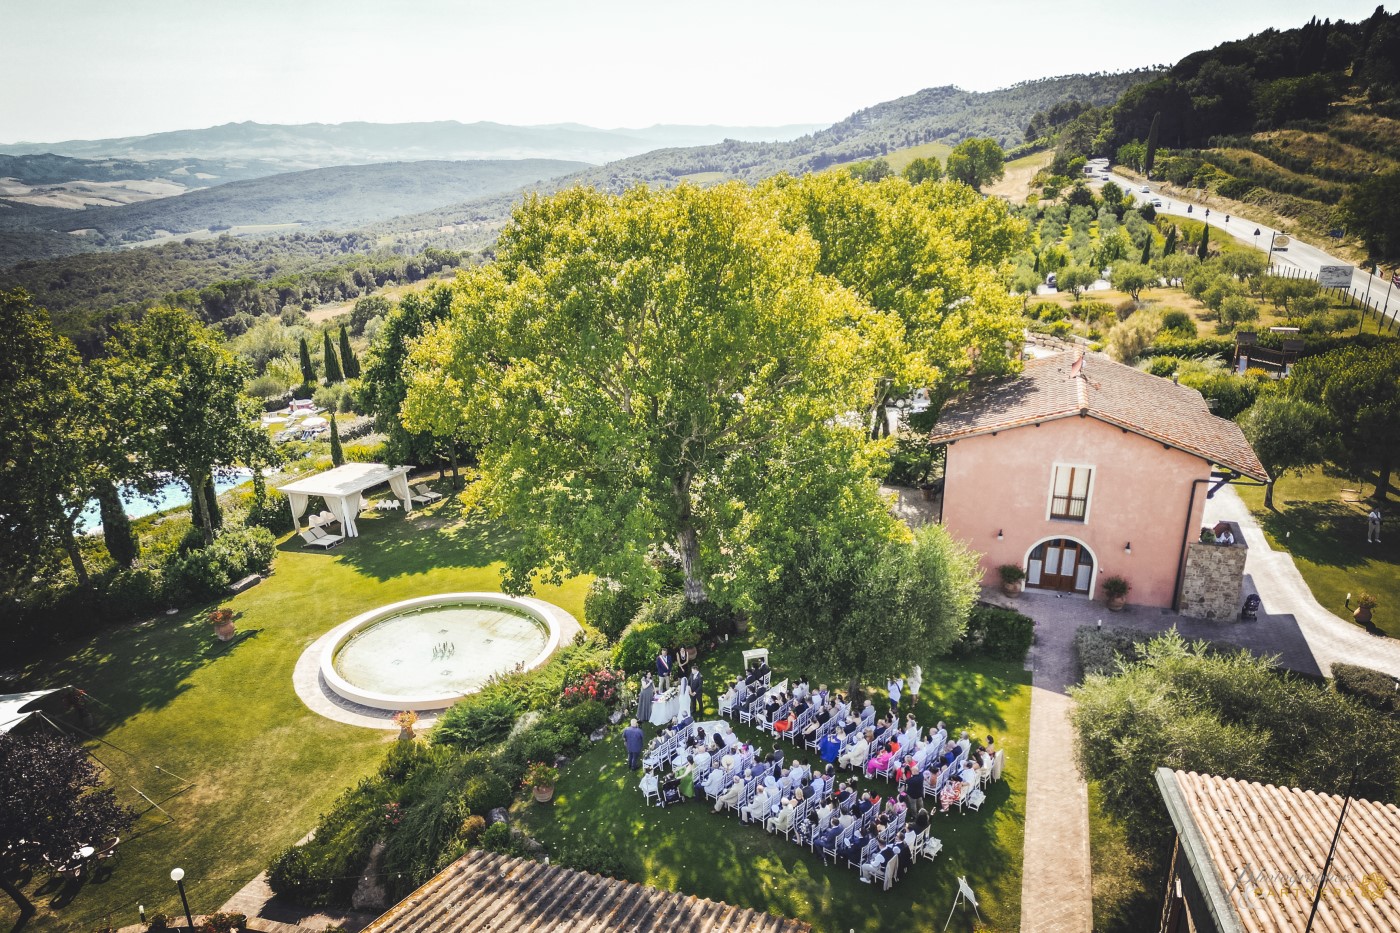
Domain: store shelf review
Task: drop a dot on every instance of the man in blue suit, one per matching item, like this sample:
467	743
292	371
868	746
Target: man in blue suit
634	739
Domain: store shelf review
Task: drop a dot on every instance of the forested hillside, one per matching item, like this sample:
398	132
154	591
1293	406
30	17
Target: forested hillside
1302	123
946	114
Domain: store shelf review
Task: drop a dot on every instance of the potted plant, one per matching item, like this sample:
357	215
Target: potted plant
406	720
1115	590
540	777
1364	605
1011	577
222	620
1207	536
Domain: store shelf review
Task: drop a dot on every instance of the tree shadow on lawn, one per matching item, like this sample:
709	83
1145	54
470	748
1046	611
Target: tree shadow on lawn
1330	534
692	849
392	545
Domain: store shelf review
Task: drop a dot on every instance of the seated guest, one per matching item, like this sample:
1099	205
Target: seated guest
731	796
969	775
824	811
782	822
854	757
921	819
681	722
964	742
871	868
851	849
864	805
775	757
950	752
757	808
991	746
842	794
729	698
686	775
702	759
811	827
907	843
714	782
826	839
785	723
880	761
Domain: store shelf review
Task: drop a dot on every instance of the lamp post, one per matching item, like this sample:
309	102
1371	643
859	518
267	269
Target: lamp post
177	875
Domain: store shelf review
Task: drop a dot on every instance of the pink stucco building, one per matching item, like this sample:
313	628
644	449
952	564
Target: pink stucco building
1076	471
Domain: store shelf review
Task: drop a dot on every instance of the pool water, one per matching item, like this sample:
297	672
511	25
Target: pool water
171	495
440	650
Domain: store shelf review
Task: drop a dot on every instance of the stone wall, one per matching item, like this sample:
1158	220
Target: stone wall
1214	578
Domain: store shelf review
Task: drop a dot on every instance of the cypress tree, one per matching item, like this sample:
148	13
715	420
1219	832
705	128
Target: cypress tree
333	373
1146	250
308	372
1152	144
1170	246
337	452
1203	251
348	362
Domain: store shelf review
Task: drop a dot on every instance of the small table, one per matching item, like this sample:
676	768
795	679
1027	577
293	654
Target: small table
665	707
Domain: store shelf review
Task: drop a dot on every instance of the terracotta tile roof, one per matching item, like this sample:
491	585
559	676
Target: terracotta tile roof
1266	846
485	891
1119	395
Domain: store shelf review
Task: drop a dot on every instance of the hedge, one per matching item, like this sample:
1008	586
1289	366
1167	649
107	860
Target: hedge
1374	688
1098	650
997	633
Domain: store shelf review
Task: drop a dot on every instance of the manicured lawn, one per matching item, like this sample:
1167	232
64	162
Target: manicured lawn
1321	520
693	850
225	717
1127	893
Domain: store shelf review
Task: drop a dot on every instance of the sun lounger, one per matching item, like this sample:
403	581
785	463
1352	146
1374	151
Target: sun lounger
424	490
422	495
316	537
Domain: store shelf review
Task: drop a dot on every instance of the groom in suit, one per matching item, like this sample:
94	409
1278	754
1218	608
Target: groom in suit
696	682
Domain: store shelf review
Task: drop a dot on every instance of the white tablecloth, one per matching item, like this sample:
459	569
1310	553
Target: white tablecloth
664	707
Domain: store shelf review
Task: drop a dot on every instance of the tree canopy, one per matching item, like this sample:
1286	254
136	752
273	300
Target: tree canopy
1286	434
658	370
1359	388
977	162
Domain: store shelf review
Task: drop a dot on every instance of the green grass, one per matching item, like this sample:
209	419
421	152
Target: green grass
1321	521
1127	893
693	850
899	159
225	717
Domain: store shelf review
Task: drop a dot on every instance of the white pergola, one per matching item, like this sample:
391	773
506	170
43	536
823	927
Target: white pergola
343	489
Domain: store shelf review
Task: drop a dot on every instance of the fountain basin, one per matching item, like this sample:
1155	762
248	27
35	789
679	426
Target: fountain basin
429	652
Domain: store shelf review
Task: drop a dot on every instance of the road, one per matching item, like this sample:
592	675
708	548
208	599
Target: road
1298	255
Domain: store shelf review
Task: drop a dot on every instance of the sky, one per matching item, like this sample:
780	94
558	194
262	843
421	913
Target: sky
88	69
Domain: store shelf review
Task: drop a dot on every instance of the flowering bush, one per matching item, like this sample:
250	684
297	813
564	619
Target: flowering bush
601	685
540	774
392	815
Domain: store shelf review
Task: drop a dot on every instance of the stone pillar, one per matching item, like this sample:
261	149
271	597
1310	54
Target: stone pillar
1214	578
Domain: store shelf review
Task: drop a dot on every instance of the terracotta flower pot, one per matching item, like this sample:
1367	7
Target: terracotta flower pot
1011	589
1116	603
1362	615
544	794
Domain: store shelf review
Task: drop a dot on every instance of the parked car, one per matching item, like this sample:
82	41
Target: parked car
1050	280
1156	202
1146	190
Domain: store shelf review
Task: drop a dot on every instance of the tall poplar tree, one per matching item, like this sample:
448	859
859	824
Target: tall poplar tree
337	452
348	363
1152	133
1203	250
308	372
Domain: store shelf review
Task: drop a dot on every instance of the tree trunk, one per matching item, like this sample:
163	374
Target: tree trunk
26	908
1383	479
211	500
688	544
200	504
1269	495
75	557
122	543
452	453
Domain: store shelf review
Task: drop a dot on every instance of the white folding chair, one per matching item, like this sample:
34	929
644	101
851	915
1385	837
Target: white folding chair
930	846
998	762
972	801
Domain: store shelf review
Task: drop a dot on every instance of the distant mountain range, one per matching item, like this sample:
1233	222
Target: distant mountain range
316	145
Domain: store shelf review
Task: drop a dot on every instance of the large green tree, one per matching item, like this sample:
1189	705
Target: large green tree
350	364
42	455
977	162
384	384
328	357
174	376
630	366
1286	434
1359	388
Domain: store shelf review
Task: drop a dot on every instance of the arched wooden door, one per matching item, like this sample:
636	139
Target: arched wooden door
1061	564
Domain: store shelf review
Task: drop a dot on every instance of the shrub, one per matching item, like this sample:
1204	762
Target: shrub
208	571
159	922
543	741
583	718
640	644
1098	650
222	923
589	855
1163	366
1178	324
130	592
497	839
475	721
1116	587
326	868
610	607
1011	573
602	687
485	792
1374	688
997	633
472	828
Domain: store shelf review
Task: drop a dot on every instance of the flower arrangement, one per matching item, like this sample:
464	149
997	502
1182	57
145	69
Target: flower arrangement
540	774
601	685
220	616
1366	601
406	719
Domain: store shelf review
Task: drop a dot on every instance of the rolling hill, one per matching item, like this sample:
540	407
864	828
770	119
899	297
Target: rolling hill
318	145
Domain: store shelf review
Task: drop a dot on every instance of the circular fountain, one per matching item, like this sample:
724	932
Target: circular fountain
429	652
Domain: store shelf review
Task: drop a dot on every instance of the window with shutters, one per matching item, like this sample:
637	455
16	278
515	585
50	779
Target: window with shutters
1069	492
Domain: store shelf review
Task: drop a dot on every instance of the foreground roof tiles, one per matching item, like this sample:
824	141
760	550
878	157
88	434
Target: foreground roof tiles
484	891
1108	391
1266	846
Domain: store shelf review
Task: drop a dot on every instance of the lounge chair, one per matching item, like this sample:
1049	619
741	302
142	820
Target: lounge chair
425	494
385	505
316	537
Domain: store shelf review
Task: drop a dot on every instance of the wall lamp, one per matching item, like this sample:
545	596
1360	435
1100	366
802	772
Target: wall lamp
999	536
1128	548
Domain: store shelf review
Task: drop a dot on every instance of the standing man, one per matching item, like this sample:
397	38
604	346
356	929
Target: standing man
663	670
633	738
1373	526
696	682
